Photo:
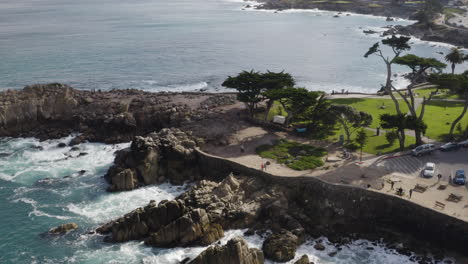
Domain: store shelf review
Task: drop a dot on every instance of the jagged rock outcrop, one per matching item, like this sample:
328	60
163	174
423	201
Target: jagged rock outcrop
55	110
281	247
62	229
199	216
193	227
159	157
236	251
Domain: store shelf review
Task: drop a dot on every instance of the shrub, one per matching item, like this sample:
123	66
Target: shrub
351	146
295	155
391	137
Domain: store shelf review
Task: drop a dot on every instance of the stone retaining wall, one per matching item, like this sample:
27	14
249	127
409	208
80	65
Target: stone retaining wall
342	209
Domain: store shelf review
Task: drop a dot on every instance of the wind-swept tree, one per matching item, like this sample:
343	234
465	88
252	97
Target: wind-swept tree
419	66
252	85
274	81
395	122
320	120
249	85
398	46
455	56
294	100
350	119
457	83
361	140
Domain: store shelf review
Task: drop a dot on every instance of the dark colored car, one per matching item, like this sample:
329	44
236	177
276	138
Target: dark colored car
464	143
459	178
449	146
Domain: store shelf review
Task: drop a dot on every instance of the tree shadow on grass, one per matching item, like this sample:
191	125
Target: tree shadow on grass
384	146
347	100
450	104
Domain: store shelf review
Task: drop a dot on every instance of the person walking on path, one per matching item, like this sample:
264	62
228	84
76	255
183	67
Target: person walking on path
392	183
262	166
410	193
439	176
242	149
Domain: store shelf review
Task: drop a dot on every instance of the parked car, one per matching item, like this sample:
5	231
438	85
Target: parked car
459	178
449	146
429	170
423	149
463	143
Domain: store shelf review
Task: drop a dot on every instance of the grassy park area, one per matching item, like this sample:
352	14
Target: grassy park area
373	106
425	92
439	116
295	155
375	144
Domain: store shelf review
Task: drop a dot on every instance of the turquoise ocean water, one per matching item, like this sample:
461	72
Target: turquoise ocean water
183	45
153	45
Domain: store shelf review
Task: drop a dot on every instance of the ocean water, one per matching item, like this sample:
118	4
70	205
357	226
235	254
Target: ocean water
43	186
185	45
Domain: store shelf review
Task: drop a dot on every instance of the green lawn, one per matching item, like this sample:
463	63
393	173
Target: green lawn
375	144
425	92
372	106
374	5
439	116
295	155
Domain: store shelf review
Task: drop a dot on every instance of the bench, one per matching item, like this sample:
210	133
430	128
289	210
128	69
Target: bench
439	205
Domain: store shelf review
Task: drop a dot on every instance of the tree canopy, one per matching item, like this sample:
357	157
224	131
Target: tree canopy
293	100
251	85
351	119
455	56
420	64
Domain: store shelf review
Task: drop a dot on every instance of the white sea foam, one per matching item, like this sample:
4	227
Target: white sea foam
36	211
33	160
112	205
154	86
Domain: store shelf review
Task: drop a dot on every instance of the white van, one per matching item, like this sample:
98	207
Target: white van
423	149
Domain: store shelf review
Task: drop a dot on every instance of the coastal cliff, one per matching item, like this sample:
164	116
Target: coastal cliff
236	196
56	110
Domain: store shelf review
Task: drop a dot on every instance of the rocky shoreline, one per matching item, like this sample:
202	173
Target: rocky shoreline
226	195
55	110
285	210
435	33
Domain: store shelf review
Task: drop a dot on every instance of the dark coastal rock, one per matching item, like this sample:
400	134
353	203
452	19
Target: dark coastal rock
281	247
193	228
62	229
77	140
199	216
236	251
4	154
319	246
165	156
49	111
61	145
303	260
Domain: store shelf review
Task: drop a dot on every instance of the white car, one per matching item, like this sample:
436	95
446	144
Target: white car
429	170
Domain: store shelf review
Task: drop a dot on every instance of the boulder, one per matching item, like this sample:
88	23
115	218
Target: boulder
166	155
140	222
236	251
303	260
280	247
193	228
319	246
63	229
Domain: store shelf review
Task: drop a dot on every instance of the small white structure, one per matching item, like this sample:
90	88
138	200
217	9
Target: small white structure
279	119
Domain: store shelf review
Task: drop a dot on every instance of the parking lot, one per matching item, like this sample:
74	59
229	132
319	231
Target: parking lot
406	172
409	166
